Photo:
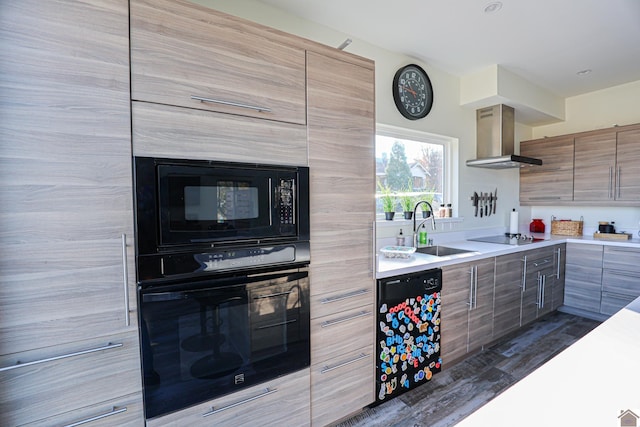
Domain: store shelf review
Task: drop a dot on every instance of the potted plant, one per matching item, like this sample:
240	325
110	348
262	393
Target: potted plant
426	213
407	203
388	202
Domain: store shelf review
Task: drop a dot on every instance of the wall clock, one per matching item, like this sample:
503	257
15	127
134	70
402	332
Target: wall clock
412	92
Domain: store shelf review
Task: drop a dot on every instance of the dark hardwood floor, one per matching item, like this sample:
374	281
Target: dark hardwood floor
458	391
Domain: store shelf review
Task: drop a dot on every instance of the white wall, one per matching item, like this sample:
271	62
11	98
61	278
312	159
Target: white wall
449	118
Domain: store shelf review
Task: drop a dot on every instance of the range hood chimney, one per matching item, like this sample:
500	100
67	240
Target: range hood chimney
495	128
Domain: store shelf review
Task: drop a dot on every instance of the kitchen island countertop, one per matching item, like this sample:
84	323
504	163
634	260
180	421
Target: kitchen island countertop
591	383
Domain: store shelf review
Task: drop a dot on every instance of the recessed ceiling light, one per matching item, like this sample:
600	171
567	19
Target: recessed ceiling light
493	7
583	72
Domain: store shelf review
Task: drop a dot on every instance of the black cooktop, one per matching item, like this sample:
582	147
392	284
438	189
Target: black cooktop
508	239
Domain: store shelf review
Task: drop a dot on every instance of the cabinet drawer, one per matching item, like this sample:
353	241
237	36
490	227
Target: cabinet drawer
165	131
612	303
282	401
621	282
582	295
583	254
622	258
63	378
124	412
333	302
342	385
180	50
341	332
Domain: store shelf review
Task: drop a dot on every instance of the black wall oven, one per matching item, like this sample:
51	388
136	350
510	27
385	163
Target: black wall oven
222	259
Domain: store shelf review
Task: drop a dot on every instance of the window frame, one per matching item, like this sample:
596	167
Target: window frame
449	151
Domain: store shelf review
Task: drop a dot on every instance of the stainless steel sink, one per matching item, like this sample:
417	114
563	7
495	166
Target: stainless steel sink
441	251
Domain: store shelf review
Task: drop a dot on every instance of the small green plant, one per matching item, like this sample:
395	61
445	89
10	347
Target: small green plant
429	198
388	198
407	200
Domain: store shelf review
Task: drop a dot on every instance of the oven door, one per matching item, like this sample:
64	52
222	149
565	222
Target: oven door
204	339
225	204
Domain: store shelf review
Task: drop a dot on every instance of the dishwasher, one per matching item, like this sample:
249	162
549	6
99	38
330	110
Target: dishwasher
408	332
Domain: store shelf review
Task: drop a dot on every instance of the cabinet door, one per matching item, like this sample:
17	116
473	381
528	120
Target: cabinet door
457	282
595	163
66	193
559	276
180	50
283	401
583	280
38	384
628	166
507	294
340	126
553	181
481	313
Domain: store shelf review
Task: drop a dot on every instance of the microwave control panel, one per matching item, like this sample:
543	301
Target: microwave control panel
286	201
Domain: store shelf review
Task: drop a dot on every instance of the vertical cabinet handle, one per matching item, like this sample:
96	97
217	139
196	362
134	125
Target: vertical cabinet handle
558	265
473	288
610	193
618	183
125	280
524	274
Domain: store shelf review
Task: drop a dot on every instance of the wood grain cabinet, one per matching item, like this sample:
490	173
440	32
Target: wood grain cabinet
66	240
601	166
537	292
340	115
467	308
187	55
553	181
283	401
508	294
558	278
620	278
583	280
607	165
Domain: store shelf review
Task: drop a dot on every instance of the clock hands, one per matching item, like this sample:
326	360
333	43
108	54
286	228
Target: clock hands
408	89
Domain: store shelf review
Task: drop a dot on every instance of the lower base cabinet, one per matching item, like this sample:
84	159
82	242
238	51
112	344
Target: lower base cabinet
283	401
583	281
467	308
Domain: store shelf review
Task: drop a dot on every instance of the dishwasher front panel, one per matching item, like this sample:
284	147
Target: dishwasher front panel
408	332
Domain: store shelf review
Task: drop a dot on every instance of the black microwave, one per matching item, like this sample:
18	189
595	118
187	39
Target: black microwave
199	206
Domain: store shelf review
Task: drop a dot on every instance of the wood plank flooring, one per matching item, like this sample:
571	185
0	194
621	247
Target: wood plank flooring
458	391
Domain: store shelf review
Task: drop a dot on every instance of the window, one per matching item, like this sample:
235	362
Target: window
411	166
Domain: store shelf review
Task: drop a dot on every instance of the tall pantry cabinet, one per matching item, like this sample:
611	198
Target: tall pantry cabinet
68	331
340	126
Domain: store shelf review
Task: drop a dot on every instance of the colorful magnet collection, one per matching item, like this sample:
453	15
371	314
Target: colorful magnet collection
410	350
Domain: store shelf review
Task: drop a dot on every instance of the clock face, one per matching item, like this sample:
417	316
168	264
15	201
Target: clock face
412	92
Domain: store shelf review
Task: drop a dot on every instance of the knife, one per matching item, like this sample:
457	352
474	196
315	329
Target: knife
475	202
481	204
490	203
486	205
495	198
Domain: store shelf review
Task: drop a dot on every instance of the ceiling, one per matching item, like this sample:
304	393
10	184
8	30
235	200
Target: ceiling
547	42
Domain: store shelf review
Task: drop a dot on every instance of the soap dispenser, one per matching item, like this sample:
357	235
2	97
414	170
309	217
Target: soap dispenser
422	236
400	239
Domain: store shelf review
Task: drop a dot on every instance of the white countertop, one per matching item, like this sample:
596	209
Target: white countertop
388	267
588	384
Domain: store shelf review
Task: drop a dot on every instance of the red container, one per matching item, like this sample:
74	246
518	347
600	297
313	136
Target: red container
536	226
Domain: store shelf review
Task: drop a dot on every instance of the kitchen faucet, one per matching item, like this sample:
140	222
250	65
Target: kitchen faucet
415	229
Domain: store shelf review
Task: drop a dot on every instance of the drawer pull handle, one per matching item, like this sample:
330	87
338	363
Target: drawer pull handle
340	365
543	262
64	356
114	411
344	296
277	294
233	104
344	319
267	391
273	325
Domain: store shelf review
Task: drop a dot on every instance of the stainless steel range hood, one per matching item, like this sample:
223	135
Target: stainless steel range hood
495	128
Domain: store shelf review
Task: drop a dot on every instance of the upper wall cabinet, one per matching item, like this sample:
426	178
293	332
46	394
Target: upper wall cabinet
553	181
190	56
601	166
